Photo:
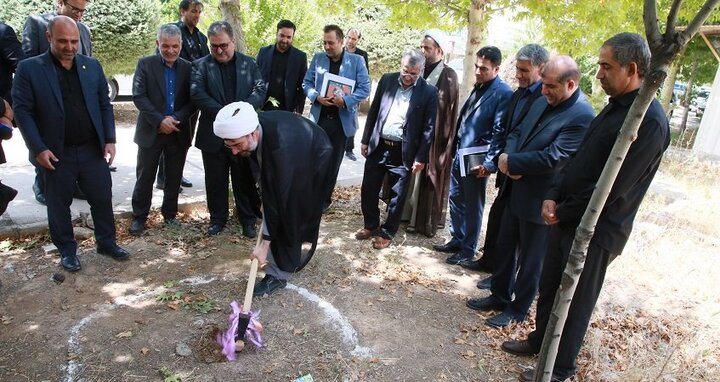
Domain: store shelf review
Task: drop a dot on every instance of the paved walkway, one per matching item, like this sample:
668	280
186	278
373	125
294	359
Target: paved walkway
25	215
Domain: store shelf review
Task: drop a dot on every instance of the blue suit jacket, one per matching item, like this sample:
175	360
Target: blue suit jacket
419	122
352	67
537	150
294	75
485	125
38	104
208	94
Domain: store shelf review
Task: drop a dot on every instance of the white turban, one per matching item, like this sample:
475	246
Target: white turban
235	120
441	39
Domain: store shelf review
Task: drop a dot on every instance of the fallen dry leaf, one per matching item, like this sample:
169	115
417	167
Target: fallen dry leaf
124	334
468	354
144	351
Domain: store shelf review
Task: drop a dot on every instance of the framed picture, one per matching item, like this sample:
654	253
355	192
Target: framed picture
334	85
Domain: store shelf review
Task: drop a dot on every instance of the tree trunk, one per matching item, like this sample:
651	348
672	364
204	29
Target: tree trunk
664	48
668	88
687	96
477	27
230	10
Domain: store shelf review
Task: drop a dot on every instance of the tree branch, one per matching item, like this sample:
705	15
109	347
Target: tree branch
672	19
698	20
652	32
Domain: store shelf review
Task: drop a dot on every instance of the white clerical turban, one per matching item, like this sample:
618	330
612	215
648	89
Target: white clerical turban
441	39
235	120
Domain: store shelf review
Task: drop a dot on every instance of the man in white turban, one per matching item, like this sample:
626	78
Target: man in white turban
294	156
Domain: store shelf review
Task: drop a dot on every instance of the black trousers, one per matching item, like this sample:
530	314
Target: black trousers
85	166
582	304
520	252
247	201
333	128
148	163
384	160
492	231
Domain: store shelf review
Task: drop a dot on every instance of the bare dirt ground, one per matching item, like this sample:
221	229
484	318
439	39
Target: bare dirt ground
354	313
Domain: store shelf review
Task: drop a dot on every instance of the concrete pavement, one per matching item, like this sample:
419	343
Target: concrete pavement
26	216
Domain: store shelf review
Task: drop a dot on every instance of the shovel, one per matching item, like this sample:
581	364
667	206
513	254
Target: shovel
245	315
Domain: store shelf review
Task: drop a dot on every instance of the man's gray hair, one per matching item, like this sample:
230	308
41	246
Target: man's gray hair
536	54
414	58
356	31
220	27
169	30
630	47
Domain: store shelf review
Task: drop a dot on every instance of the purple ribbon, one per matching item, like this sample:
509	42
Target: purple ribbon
252	335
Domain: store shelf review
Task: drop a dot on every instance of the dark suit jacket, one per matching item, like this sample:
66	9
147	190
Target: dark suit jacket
511	124
10	55
294	75
34	41
537	150
419	121
187	40
149	97
38	104
486	122
208	94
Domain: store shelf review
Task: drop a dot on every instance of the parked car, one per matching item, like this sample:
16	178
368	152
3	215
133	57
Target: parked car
699	102
120	85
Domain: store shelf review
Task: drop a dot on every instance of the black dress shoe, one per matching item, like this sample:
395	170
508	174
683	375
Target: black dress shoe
185	183
350	155
521	348
40	197
486	303
116	252
449	247
475	265
268	285
529	376
7	194
215	229
457	258
485	283
137	227
249	230
71	263
502	320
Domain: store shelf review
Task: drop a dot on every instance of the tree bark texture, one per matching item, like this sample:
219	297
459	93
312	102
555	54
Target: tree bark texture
665	48
477	28
230	11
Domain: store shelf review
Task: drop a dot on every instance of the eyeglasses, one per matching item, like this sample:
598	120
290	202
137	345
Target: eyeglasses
235	145
408	74
74	9
220	46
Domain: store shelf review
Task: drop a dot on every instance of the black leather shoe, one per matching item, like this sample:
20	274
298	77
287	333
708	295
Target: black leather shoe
268	285
350	155
449	247
185	183
71	263
475	265
40	197
521	348
529	376
485	283
7	194
485	303
215	229
249	230
116	252
502	320
137	227
457	258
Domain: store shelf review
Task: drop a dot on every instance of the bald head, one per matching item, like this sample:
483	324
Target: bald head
64	38
560	78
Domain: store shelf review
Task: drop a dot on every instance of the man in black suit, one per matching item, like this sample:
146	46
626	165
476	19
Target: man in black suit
161	92
35	42
623	62
534	152
351	40
283	68
11	54
223	77
63	111
396	142
529	62
194	46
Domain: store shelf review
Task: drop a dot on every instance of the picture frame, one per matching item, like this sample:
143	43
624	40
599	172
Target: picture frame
334	85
